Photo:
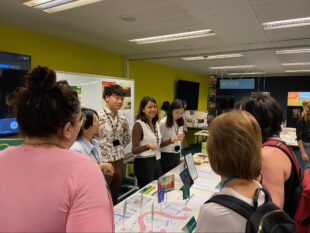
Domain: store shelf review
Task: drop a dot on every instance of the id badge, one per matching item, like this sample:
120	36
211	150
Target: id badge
116	142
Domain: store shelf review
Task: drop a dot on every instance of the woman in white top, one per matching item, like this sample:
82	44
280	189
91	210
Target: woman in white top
234	149
172	126
87	145
146	141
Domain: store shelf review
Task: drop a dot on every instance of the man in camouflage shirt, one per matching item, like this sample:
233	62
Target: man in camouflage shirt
114	136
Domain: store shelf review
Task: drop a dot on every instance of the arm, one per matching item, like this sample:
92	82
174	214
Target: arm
90	205
303	153
299	133
126	134
107	168
171	140
276	168
137	134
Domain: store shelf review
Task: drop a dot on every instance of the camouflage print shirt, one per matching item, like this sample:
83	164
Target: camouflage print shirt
111	129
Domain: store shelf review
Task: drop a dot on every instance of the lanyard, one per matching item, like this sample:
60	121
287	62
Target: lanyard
97	159
154	132
227	181
114	127
176	130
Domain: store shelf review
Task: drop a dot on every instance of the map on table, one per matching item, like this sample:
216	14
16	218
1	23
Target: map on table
167	218
133	206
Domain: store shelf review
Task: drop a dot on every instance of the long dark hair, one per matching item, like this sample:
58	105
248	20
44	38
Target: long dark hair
141	115
176	104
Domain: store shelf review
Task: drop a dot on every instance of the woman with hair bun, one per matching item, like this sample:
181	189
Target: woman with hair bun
44	186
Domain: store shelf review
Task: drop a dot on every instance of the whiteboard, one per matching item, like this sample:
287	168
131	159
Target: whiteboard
91	90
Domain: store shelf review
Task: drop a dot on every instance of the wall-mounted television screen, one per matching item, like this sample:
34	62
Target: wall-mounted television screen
296	98
13	68
188	91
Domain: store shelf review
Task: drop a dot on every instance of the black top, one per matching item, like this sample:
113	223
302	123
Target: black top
303	130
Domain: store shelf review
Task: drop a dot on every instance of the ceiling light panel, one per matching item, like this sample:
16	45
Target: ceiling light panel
212	57
230	67
33	3
296	64
52	6
199	58
174	37
287	23
224	56
293	51
296	71
247	73
70	5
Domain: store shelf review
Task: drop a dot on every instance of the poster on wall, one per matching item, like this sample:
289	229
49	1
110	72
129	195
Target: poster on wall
296	98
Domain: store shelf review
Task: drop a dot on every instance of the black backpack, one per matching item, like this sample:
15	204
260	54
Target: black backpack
265	218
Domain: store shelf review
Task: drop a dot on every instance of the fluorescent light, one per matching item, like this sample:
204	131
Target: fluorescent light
296	71
296	64
287	23
70	5
173	37
224	56
247	73
52	6
212	57
33	3
194	58
290	51
230	67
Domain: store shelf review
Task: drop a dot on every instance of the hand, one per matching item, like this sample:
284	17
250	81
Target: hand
177	138
181	136
304	156
152	147
107	169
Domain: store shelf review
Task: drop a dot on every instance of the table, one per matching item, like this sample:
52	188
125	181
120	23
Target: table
174	213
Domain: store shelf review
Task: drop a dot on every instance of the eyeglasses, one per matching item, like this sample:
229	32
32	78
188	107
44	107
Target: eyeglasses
82	120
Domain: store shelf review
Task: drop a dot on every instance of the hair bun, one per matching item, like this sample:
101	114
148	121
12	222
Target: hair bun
41	79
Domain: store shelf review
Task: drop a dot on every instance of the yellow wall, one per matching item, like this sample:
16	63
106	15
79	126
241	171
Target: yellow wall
159	81
60	54
150	78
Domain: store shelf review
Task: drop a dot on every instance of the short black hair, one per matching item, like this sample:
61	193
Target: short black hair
114	89
89	119
143	103
176	104
267	112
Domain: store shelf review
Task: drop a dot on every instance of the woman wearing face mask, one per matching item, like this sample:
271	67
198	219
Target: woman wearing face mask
172	126
87	145
146	141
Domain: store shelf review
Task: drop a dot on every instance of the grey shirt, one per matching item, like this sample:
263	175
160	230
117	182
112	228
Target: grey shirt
216	218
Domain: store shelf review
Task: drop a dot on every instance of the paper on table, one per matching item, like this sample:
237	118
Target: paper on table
206	184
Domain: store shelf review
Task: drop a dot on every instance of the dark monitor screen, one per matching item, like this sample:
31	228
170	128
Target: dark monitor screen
224	102
188	91
15	61
13	68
